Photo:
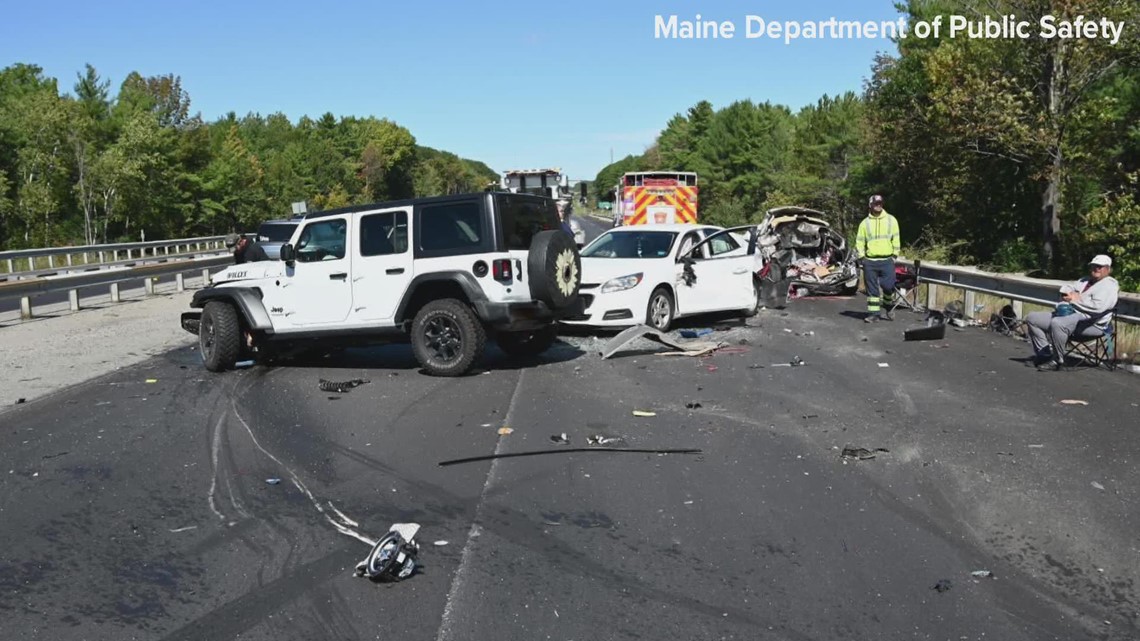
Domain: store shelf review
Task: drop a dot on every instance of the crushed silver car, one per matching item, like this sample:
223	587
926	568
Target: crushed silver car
813	258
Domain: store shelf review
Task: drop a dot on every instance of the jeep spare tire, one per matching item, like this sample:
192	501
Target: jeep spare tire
554	268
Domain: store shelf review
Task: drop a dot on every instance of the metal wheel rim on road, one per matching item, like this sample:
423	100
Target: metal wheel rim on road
443	338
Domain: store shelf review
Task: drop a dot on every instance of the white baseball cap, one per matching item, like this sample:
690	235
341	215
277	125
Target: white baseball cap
1102	260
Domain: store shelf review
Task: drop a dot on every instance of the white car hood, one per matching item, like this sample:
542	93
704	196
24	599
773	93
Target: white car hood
596	271
250	271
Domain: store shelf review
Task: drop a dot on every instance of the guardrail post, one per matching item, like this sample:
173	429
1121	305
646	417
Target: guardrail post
179	283
1018	308
148	284
205	277
69	260
115	297
51	261
86	258
73	298
114	255
11	267
969	304
25	308
931	296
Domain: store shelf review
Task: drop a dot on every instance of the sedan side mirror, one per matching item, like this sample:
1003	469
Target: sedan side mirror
288	254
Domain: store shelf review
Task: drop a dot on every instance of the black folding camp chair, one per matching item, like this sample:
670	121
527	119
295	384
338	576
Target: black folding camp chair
1096	350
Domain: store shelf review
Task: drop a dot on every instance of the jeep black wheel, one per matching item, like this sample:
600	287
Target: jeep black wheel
659	314
554	268
447	338
527	344
219	336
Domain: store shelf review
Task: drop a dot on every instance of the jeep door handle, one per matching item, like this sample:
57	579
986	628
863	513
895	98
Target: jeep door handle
395	270
338	276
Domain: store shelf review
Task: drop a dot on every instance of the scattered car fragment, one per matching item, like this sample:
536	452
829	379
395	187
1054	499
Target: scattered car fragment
644	331
342	387
393	558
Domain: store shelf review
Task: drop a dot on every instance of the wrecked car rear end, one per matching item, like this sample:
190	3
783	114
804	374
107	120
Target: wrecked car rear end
812	257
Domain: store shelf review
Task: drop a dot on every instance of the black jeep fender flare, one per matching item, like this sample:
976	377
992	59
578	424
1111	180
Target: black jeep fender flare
247	301
465	281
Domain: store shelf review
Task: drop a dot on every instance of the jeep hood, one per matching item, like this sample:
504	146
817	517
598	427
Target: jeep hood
249	271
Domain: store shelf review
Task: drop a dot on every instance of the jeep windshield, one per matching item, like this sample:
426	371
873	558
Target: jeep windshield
631	244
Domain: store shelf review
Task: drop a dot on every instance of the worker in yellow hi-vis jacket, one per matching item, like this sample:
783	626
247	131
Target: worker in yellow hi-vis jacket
878	246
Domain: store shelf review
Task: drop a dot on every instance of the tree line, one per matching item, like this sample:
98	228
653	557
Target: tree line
1018	155
88	167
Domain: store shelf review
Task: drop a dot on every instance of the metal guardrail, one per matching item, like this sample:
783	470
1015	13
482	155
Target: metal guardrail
1018	289
67	255
27	289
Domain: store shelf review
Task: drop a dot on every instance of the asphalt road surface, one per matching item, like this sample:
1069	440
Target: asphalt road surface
136	506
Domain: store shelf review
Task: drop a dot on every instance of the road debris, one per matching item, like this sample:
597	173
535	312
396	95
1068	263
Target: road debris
1071	401
342	387
598	439
559	438
1036	446
273	481
982	574
692	406
644	331
393	558
152	380
1098	486
184	529
860	453
943	586
695	333
503	431
21	401
884	364
643	413
568	450
439	543
795	362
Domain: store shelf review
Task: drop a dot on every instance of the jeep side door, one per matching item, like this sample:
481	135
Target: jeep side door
382	265
317	288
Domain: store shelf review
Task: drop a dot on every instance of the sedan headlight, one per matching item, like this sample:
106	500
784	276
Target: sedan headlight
621	283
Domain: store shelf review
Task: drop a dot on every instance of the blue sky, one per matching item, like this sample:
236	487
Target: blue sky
515	84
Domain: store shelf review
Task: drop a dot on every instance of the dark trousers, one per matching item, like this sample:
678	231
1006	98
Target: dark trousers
879	277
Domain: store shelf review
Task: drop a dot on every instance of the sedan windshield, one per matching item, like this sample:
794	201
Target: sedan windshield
631	244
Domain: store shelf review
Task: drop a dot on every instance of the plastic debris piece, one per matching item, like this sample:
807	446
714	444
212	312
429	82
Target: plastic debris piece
439	543
598	439
393	558
560	438
334	398
712	368
1036	446
695	333
341	387
943	586
503	431
152	380
243	364
273	481
644	331
693	406
884	364
1098	486
1072	401
643	413
982	574
20	401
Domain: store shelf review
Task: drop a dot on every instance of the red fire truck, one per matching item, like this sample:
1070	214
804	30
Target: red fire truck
656	198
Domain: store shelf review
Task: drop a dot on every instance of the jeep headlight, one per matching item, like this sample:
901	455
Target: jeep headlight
621	283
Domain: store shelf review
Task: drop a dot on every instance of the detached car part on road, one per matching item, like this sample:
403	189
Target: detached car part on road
442	273
808	253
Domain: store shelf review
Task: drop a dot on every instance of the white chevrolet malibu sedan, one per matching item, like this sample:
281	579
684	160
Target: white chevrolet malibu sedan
655	274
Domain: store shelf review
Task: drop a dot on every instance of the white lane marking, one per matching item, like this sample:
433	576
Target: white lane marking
214	459
343	517
457	584
297	481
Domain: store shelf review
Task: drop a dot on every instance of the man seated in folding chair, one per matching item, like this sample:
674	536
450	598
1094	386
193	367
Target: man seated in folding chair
1086	313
